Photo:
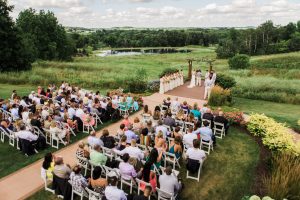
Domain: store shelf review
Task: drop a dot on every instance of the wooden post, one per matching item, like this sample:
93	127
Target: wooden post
190	61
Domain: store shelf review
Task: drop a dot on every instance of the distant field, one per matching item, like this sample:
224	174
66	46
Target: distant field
273	78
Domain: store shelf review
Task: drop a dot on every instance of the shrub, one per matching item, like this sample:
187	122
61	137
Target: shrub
275	136
284	179
153	86
138	83
235	117
239	61
168	71
220	96
225	81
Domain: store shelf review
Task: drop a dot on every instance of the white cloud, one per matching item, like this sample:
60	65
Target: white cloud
234	13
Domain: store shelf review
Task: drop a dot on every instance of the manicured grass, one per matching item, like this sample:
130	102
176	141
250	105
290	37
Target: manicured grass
227	173
284	113
22	90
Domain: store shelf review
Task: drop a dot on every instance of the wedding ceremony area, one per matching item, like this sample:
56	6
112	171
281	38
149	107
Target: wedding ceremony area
149	100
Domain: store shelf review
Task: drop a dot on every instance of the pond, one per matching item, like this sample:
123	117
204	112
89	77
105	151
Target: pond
135	51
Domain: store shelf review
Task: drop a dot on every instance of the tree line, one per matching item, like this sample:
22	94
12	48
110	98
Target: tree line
38	35
34	35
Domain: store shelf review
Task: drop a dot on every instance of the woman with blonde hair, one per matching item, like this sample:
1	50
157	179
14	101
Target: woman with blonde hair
137	125
180	114
160	142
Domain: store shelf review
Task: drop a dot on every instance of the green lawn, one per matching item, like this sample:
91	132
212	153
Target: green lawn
285	113
22	90
228	172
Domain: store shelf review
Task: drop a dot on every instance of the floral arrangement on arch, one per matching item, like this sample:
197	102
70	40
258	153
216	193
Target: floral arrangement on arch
235	117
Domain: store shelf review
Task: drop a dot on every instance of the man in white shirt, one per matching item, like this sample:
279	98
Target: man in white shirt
79	112
161	128
112	192
45	113
93	140
132	150
26	135
195	153
189	138
169	182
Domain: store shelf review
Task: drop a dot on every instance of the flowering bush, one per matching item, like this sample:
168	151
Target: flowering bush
139	99
235	117
219	96
274	135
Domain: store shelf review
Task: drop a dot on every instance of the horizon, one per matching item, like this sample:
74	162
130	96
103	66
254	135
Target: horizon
97	14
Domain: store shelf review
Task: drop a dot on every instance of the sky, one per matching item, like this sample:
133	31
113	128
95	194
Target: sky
165	13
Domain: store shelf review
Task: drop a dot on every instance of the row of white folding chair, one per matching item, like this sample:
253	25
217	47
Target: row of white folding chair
63	125
219	130
97	118
12	139
206	146
81	192
55	139
163	195
87	128
171	158
6	115
197	178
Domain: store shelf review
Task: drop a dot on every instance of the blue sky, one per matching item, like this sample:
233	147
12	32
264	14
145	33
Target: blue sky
166	13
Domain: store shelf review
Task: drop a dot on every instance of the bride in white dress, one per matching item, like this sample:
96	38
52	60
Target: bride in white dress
193	80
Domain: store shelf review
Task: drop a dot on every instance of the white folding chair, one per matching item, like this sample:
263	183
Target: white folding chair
171	158
219	130
97	119
79	191
197	178
48	136
103	173
56	140
84	163
46	180
139	182
108	152
188	125
163	195
206	146
123	110
174	171
93	195
87	128
127	180
146	117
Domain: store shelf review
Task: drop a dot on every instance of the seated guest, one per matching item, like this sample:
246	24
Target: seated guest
195	153
130	135
82	153
145	196
155	158
175	105
93	140
96	182
196	112
167	102
156	115
15	112
169	121
145	139
175	147
206	133
48	165
150	127
160	142
35	121
137	125
177	133
47	122
123	143
60	132
190	118
209	116
189	138
185	106
97	157
126	121
169	182
121	131
148	175
77	180
221	119
180	115
111	191
161	128
146	111
108	141
60	169
204	109
127	170
132	150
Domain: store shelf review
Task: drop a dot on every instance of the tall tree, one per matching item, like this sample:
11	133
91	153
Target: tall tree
15	51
